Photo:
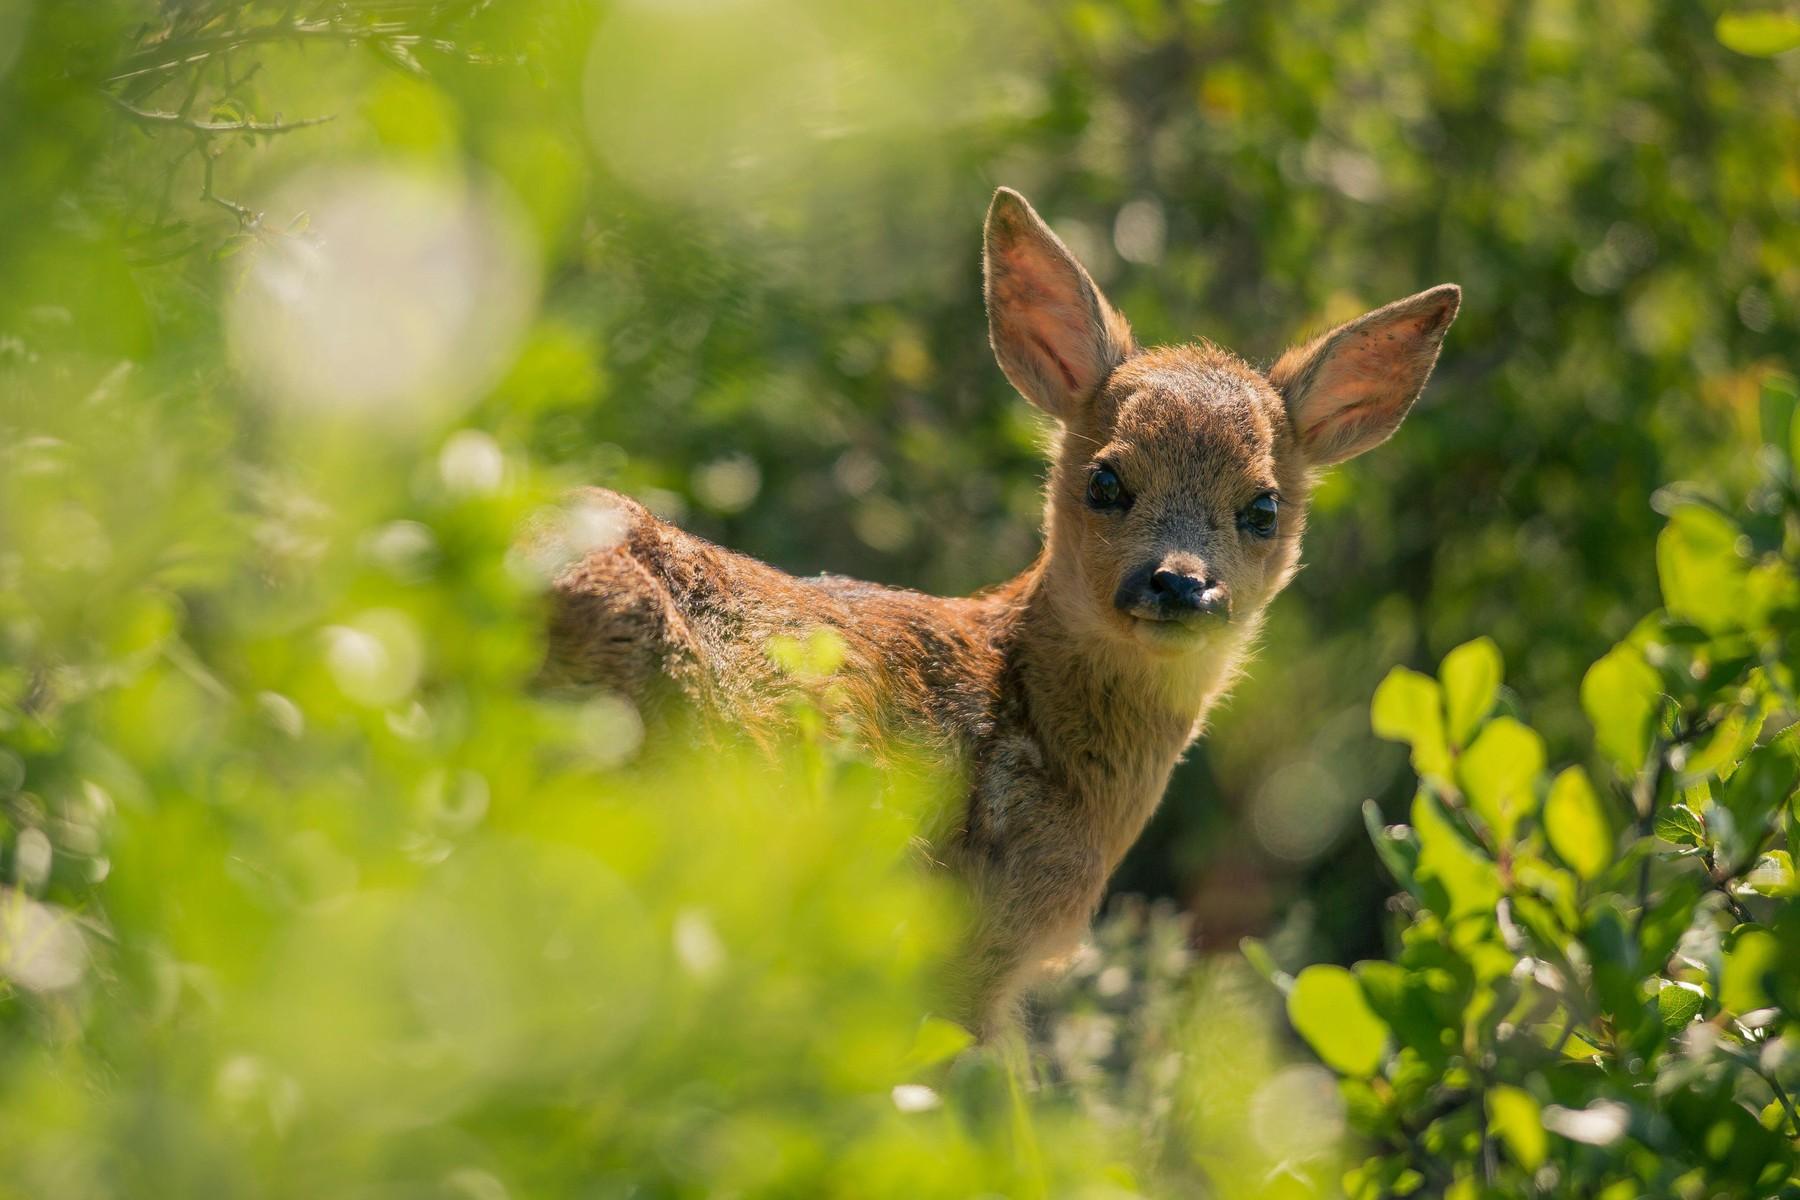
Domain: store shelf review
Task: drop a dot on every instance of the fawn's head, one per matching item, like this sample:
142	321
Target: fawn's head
1182	475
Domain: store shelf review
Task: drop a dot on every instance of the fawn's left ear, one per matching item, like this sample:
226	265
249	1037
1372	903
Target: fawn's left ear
1347	391
1055	335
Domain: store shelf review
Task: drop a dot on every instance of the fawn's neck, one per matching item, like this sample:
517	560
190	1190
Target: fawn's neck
1110	717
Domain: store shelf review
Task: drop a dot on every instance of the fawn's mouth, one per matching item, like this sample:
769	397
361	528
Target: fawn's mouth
1171	635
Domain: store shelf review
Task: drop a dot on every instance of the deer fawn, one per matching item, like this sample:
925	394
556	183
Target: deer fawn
1175	508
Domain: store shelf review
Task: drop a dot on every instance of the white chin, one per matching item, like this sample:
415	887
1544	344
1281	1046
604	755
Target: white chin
1169	637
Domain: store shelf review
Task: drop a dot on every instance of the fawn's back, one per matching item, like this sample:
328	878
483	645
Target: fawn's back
672	620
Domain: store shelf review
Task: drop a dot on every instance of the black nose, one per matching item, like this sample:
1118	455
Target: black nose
1170	595
1172	589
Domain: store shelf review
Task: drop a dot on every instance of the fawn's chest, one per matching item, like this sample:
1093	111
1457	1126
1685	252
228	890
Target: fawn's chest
1093	778
1087	746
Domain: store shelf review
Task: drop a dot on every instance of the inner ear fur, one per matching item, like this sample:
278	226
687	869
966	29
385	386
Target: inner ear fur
1348	390
1053	332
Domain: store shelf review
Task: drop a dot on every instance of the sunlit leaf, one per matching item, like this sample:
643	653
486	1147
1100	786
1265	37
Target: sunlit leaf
1680	824
1514	1114
1621	695
1772	874
1762	34
1678	1005
1470	675
1752	954
1409	707
1720	752
1575	822
1701	571
1499	774
1468	878
1328	1008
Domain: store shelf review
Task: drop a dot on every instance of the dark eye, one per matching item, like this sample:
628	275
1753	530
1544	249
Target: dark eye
1259	515
1105	490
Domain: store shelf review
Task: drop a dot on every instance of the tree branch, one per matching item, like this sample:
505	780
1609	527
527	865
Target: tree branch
157	117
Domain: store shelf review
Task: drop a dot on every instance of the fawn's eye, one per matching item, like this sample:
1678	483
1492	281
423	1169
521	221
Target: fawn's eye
1104	489
1259	515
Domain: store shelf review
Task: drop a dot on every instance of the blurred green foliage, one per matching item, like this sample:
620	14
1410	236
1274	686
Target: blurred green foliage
1595	987
306	310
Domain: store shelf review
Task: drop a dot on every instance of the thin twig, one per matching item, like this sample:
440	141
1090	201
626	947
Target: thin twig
1743	1057
1722	884
157	117
1787	1102
247	219
1643	824
389	33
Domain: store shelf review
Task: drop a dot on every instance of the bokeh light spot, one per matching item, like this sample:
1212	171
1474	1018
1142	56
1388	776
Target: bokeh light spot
399	302
611	730
41	950
377	659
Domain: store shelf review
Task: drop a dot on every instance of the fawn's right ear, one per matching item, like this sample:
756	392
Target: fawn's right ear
1055	335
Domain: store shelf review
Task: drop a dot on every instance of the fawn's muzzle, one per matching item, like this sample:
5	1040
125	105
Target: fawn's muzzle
1159	593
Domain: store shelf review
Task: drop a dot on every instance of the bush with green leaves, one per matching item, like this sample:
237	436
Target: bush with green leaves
305	891
1594	984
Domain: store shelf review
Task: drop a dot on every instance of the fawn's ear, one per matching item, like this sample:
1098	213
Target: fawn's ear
1055	335
1347	391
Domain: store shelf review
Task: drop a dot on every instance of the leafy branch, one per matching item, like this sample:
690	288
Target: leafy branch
1527	888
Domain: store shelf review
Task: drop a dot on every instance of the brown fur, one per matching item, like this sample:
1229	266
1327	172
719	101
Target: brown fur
1066	712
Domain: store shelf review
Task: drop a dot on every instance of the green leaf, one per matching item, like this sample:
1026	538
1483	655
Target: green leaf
1402	999
1616	966
1621	695
1681	825
937	1041
1394	845
1575	822
1468	878
1793	443
1678	1005
1701	571
1327	1008
1499	774
1752	956
1776	406
1409	707
1726	746
1666	919
1258	956
1471	676
1515	1116
1758	34
1773	875
1761	784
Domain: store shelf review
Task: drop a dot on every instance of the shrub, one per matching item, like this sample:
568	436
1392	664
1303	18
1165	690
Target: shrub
1594	986
306	892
